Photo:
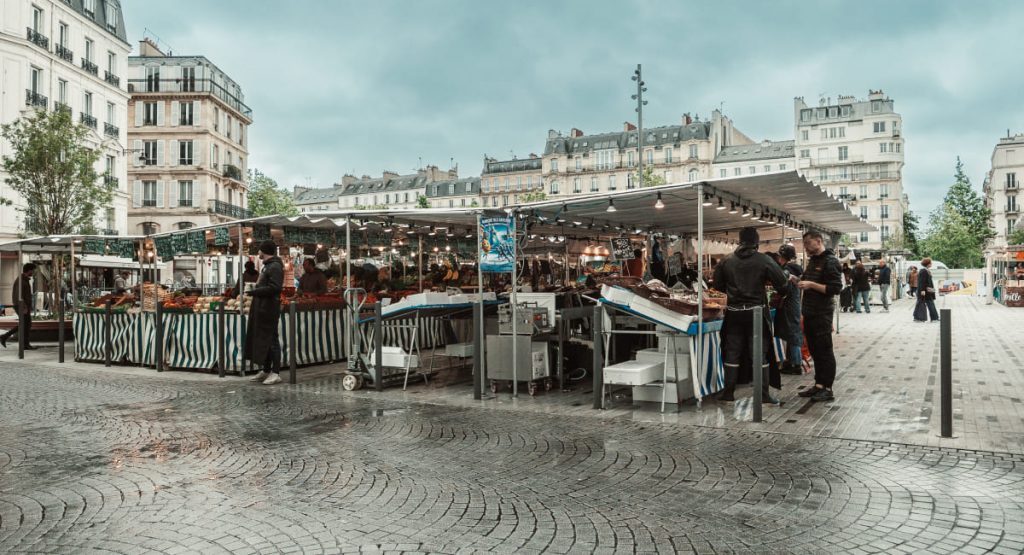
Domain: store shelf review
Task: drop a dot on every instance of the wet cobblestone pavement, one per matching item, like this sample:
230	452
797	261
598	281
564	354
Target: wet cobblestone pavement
101	462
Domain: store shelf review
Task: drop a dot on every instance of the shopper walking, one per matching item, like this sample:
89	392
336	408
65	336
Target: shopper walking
787	316
262	344
742	277
925	306
861	288
822	281
912	281
21	300
884	280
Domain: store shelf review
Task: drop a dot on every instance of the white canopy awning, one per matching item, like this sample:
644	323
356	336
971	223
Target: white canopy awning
116	262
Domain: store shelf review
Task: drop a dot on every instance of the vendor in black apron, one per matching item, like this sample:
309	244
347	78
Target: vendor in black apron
743	277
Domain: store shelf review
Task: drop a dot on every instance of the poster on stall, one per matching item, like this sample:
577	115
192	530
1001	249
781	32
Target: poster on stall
497	244
622	248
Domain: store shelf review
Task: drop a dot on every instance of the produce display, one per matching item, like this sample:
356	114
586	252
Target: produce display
678	299
118	303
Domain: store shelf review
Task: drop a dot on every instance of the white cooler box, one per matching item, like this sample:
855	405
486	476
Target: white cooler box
653	394
617	295
657	312
633	372
657	356
464	350
395	357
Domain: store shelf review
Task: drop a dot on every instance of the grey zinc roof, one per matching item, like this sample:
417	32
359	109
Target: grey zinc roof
100	17
655	136
767	150
465	186
509	166
361	187
317	196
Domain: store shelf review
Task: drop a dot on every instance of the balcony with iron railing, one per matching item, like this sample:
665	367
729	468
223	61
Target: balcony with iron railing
232	172
64	53
38	39
110	180
111	78
835	160
87	120
143	86
61	107
109	231
35	99
111	130
230	210
90	67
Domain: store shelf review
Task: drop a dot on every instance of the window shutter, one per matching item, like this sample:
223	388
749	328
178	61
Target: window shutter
175	113
159	153
197	109
137	193
171	75
160	113
197	153
137	146
172	194
159	194
139	106
173	153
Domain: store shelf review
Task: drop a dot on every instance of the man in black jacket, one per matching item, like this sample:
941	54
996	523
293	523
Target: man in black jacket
262	344
21	300
743	277
822	281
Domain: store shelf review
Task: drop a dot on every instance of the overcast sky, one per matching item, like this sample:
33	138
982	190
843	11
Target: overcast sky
359	87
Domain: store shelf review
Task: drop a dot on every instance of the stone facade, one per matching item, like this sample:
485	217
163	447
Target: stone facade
1002	183
503	182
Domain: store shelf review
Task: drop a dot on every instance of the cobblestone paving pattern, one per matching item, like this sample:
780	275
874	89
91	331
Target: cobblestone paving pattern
100	463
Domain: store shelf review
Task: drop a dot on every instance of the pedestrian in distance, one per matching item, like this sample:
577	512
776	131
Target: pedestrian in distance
912	281
925	307
821	282
743	277
861	288
262	344
787	315
21	300
884	280
846	294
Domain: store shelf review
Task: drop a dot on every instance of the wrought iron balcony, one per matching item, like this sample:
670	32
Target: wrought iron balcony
90	67
35	99
108	231
64	53
229	210
111	130
87	120
111	78
38	38
232	172
110	180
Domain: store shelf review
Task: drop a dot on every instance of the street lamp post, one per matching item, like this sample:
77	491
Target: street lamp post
640	103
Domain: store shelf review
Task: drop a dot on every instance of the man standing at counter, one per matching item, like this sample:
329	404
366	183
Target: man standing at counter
313	281
821	282
743	277
262	344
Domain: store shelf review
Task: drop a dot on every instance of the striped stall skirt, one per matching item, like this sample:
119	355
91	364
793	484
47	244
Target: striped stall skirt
709	375
89	328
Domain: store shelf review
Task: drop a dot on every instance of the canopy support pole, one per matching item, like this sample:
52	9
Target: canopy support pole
515	314
419	262
478	331
74	297
240	295
700	276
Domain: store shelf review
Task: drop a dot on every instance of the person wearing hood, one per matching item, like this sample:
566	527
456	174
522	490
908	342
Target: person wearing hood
262	344
821	282
787	316
742	277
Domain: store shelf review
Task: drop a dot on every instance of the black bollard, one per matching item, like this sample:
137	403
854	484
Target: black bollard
478	311
107	323
221	337
158	325
60	330
946	372
378	347
757	352
595	327
293	348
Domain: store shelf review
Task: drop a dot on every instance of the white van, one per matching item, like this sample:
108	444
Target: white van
936	265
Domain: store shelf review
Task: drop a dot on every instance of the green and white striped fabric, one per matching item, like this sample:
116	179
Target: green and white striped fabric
142	339
431	332
89	327
318	337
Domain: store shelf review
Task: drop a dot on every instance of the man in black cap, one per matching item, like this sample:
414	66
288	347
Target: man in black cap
262	344
743	277
787	315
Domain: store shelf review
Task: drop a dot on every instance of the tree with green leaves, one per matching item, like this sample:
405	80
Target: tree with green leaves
266	198
962	197
951	239
422	201
52	169
1016	238
911	226
651	179
533	196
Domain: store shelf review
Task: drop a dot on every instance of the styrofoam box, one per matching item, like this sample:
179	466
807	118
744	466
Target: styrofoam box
464	350
488	296
654	355
617	294
653	394
633	372
458	299
682	342
656	311
397	358
426	298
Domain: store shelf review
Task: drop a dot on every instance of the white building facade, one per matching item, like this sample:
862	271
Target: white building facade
70	55
753	159
1002	184
854	149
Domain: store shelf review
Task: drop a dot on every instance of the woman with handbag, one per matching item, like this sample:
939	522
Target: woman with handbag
925	294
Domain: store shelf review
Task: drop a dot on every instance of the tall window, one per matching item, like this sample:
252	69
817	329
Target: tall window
576	185
185	153
149	193
593	184
863	236
884	211
63	35
692	175
885	232
36	80
519	183
629	159
630	181
863	191
109	166
804	135
693	151
864	212
188	79
111	13
111	62
149	153
578	164
611	182
767	168
879	127
110	113
883	190
650	157
529	183
1010	224
149	113
90	7
89	47
110	218
87	103
507	186
185	113
668	155
38	23
723	172
752	170
737	171
152	78
554	188
844	191
1011	180
185	193
554	164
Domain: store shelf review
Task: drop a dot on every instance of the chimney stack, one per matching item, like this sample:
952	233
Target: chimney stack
347	179
388	174
552	134
687	120
149	48
627	127
575	133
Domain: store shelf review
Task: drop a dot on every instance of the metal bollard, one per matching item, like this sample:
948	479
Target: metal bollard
107	324
60	330
757	352
378	347
478	310
22	332
292	340
946	372
596	333
221	337
158	325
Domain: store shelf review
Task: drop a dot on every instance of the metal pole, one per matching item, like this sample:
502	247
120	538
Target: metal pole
240	321
946	376
757	350
351	308
107	324
74	298
293	348
639	97
378	347
221	334
515	315
60	308
159	326
596	334
21	321
479	350
419	262
700	276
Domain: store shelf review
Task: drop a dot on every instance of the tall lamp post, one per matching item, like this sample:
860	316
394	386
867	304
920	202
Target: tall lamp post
640	103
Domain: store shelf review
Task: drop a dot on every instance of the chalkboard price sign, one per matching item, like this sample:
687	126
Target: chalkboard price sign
164	247
622	248
197	242
222	237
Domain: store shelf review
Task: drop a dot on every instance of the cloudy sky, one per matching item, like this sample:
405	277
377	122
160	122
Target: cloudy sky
359	87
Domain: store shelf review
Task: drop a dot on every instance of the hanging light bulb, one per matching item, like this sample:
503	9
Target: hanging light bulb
659	204
611	206
447	248
746	213
721	205
707	199
732	208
